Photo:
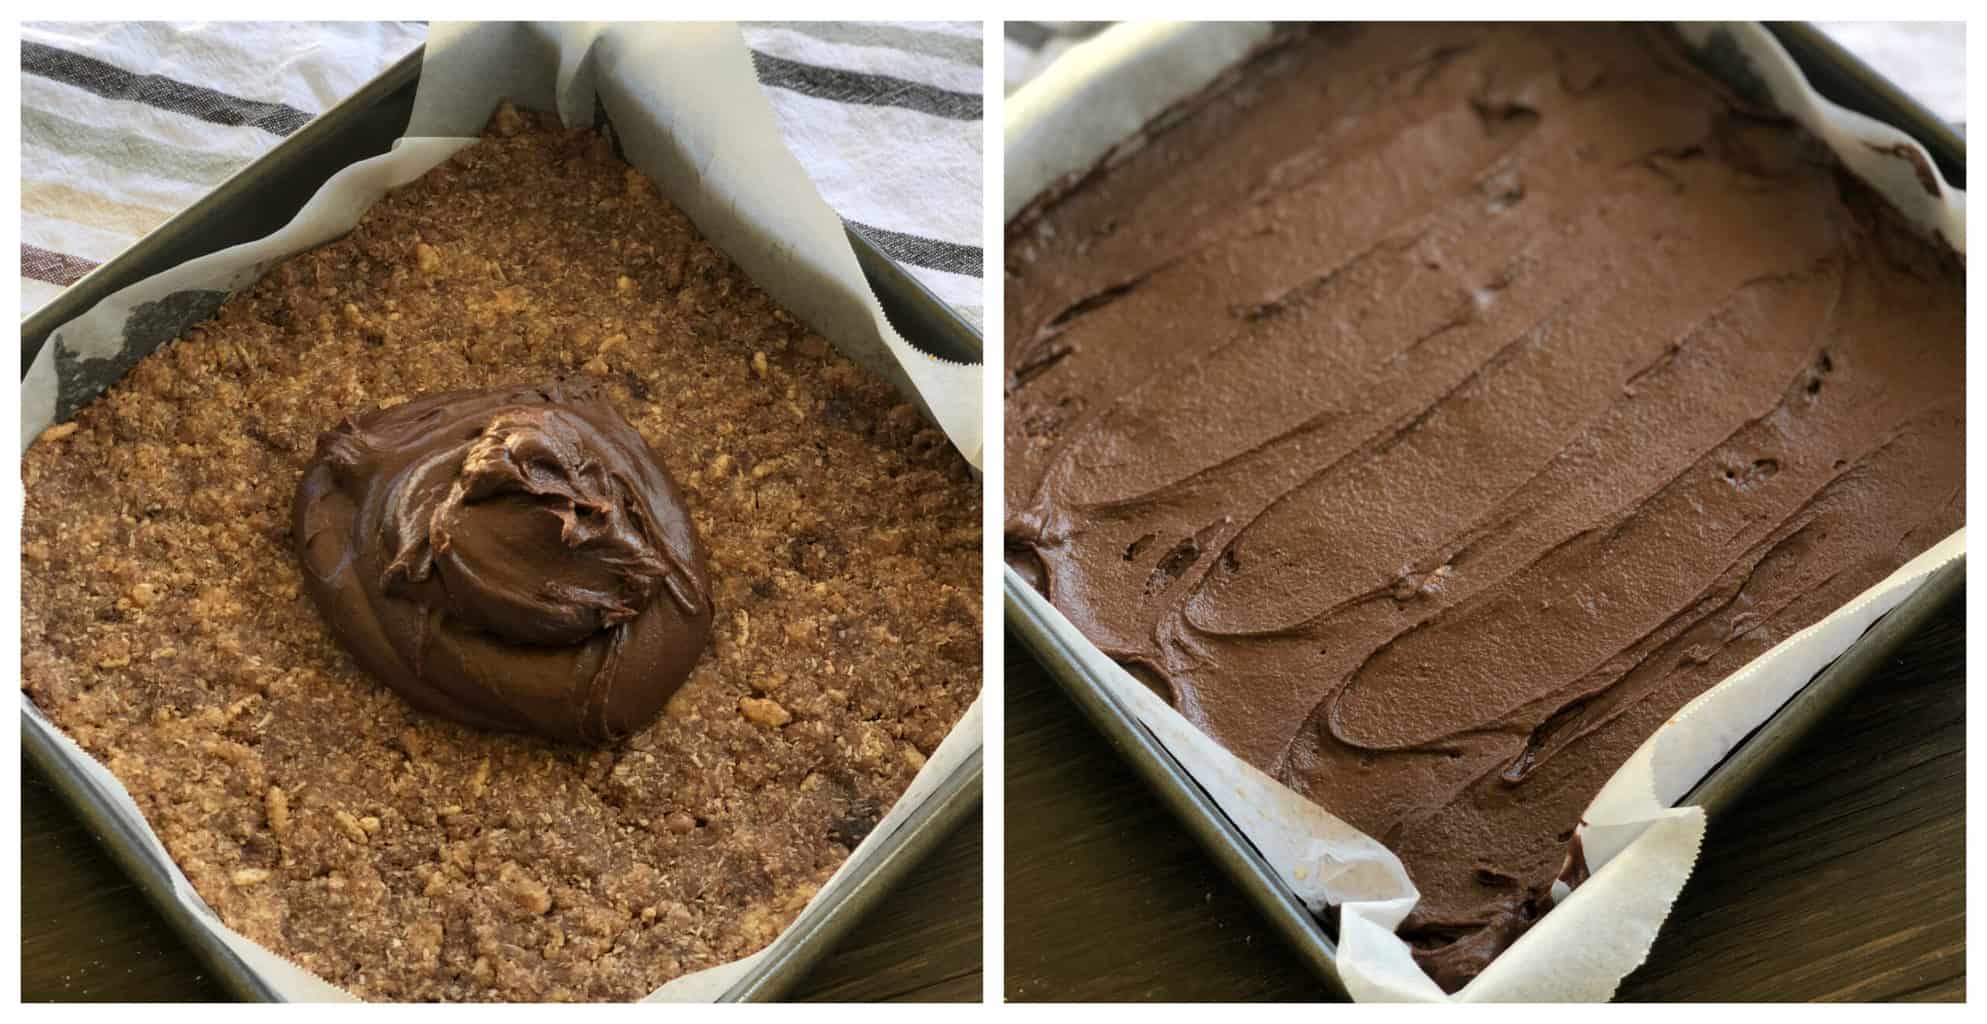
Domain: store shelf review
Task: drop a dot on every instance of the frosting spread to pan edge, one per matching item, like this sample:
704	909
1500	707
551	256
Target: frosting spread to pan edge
1437	408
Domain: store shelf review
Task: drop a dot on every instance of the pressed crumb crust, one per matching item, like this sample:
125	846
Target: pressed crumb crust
399	855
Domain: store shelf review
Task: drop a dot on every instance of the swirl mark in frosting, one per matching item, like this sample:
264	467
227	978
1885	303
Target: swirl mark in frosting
1484	395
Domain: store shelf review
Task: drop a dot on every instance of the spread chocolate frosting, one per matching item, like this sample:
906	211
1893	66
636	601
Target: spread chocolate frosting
515	559
1431	411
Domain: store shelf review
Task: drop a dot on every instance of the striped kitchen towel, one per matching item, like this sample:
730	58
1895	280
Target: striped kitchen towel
886	119
123	125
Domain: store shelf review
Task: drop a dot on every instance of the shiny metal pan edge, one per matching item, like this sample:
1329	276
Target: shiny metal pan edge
1840	77
255	202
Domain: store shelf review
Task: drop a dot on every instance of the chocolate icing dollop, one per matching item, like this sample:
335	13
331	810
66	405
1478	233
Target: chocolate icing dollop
514	558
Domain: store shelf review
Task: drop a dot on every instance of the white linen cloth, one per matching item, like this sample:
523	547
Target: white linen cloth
125	124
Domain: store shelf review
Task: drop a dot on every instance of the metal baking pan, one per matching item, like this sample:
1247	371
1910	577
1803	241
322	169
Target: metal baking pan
1839	76
254	203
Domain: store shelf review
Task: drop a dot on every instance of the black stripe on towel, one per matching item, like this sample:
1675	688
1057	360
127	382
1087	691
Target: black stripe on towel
1028	34
867	90
53	267
942	45
115	83
918	251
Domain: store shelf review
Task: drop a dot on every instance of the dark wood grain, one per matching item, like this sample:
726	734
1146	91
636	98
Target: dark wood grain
1840	876
923	944
88	934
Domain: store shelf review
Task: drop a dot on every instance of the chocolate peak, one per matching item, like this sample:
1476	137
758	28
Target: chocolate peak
515	559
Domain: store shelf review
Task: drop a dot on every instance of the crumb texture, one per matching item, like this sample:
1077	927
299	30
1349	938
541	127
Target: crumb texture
399	855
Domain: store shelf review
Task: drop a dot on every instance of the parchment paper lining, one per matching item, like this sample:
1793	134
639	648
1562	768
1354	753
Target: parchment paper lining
1092	106
688	110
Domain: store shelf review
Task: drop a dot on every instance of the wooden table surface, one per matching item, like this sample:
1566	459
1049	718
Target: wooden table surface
1840	876
88	934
